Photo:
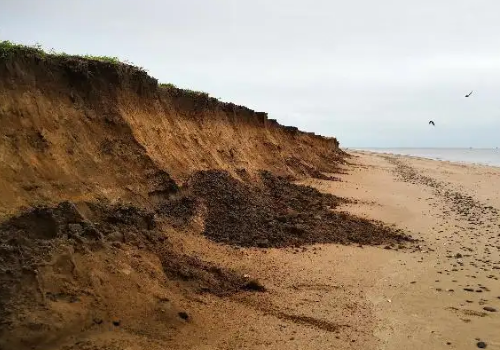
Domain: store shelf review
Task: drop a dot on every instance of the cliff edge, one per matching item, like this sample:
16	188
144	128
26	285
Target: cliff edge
77	128
127	207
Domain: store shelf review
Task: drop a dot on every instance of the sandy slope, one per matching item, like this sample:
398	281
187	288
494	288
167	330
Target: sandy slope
76	129
429	307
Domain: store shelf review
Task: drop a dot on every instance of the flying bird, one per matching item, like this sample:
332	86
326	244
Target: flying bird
431	123
470	93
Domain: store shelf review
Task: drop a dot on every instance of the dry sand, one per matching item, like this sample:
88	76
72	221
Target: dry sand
420	300
350	297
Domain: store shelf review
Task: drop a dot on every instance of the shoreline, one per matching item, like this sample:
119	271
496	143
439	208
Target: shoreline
456	162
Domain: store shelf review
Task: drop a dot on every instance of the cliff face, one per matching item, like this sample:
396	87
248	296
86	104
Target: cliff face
113	192
76	129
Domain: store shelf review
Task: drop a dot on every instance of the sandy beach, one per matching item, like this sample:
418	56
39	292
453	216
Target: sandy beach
443	295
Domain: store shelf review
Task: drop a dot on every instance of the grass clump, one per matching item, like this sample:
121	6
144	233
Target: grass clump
167	86
193	93
8	49
196	93
113	60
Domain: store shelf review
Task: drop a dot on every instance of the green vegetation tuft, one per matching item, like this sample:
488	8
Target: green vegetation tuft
113	60
167	86
8	49
193	93
196	93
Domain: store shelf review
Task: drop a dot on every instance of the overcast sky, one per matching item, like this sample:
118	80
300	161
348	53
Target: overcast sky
371	73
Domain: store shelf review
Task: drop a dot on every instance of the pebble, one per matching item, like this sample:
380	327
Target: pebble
490	309
481	345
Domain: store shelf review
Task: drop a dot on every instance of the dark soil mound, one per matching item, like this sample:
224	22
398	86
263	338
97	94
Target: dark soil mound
279	214
206	277
29	239
39	251
178	210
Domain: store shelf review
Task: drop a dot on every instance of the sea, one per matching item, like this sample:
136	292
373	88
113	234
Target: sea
483	156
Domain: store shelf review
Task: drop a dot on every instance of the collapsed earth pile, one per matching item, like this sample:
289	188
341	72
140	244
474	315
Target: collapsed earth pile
274	213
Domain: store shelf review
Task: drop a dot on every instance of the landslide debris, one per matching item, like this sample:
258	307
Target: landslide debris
272	213
28	241
57	262
277	213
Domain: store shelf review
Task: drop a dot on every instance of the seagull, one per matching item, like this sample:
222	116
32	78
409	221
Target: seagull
470	93
431	123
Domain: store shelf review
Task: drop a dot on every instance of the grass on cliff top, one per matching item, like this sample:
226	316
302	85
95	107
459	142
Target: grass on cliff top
9	49
169	86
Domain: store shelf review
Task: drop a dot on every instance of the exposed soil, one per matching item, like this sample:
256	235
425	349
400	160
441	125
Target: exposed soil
75	128
276	213
35	238
93	219
43	249
206	277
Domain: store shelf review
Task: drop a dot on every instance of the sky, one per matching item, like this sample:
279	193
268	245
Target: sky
371	73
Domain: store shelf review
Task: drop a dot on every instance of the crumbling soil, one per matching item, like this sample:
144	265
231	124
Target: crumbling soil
272	212
30	240
205	277
178	210
279	213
